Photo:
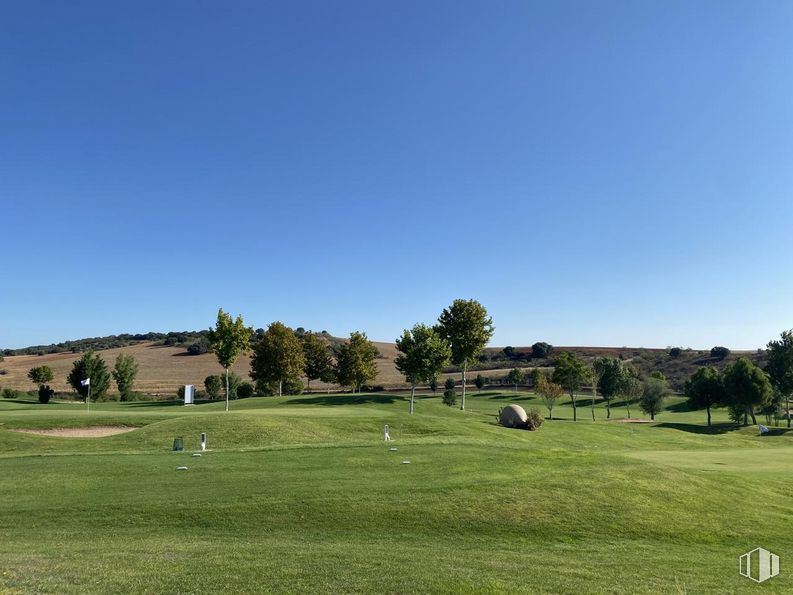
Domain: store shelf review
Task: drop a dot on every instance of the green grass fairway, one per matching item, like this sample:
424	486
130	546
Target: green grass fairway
300	494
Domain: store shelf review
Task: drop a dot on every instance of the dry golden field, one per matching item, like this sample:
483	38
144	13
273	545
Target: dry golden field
163	369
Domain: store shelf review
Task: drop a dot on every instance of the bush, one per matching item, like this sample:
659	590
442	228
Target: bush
3	371
719	352
535	420
245	390
675	352
200	346
9	393
45	394
541	349
434	384
214	386
449	397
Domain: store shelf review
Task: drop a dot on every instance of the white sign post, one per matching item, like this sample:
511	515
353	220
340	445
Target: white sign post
189	392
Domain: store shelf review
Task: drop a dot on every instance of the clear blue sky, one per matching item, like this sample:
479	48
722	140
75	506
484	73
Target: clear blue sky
601	173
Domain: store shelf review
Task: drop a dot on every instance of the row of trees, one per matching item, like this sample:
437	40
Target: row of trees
744	388
90	365
281	356
462	331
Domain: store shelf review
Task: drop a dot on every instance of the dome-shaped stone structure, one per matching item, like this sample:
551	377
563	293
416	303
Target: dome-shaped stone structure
513	416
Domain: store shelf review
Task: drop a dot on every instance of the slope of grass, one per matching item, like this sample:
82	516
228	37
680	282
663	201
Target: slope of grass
300	494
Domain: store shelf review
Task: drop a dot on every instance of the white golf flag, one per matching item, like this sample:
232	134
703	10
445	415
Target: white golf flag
85	382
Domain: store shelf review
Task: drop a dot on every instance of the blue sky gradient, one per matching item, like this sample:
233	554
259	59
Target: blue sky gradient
595	173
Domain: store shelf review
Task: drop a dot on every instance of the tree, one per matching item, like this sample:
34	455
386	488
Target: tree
541	350
675	352
93	367
213	385
610	377
515	377
705	389
780	367
479	382
124	373
41	375
719	352
449	398
318	361
747	386
570	372
423	354
356	361
277	357
199	347
229	339
467	327
630	387
654	391
509	352
549	392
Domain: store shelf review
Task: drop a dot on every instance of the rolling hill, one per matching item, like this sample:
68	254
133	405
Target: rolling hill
163	368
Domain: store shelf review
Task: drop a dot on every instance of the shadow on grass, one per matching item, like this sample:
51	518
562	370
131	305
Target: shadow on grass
168	403
719	428
681	407
332	400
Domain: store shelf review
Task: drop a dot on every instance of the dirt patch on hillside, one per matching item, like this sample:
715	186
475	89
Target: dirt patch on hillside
90	432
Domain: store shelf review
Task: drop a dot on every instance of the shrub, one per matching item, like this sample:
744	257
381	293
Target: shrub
245	390
541	349
3	371
535	420
675	352
9	393
214	386
719	352
434	384
201	345
449	397
45	394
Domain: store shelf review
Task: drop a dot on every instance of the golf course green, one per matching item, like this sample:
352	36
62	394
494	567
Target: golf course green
301	494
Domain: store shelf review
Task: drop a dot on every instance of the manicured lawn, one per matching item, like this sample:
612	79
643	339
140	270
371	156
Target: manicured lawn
300	494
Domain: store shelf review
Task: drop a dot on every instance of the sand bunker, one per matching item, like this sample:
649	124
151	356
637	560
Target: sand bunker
90	432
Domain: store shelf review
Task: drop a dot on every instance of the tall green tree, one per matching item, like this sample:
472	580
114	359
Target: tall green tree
277	357
651	401
610	376
630	387
423	354
780	367
318	361
91	366
124	373
570	372
356	361
515	377
747	386
467	327
229	339
705	389
41	375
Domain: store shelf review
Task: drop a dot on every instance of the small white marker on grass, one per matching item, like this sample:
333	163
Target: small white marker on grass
392	449
181	468
406	462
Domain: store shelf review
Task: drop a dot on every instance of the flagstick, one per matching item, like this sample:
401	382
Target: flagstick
88	400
